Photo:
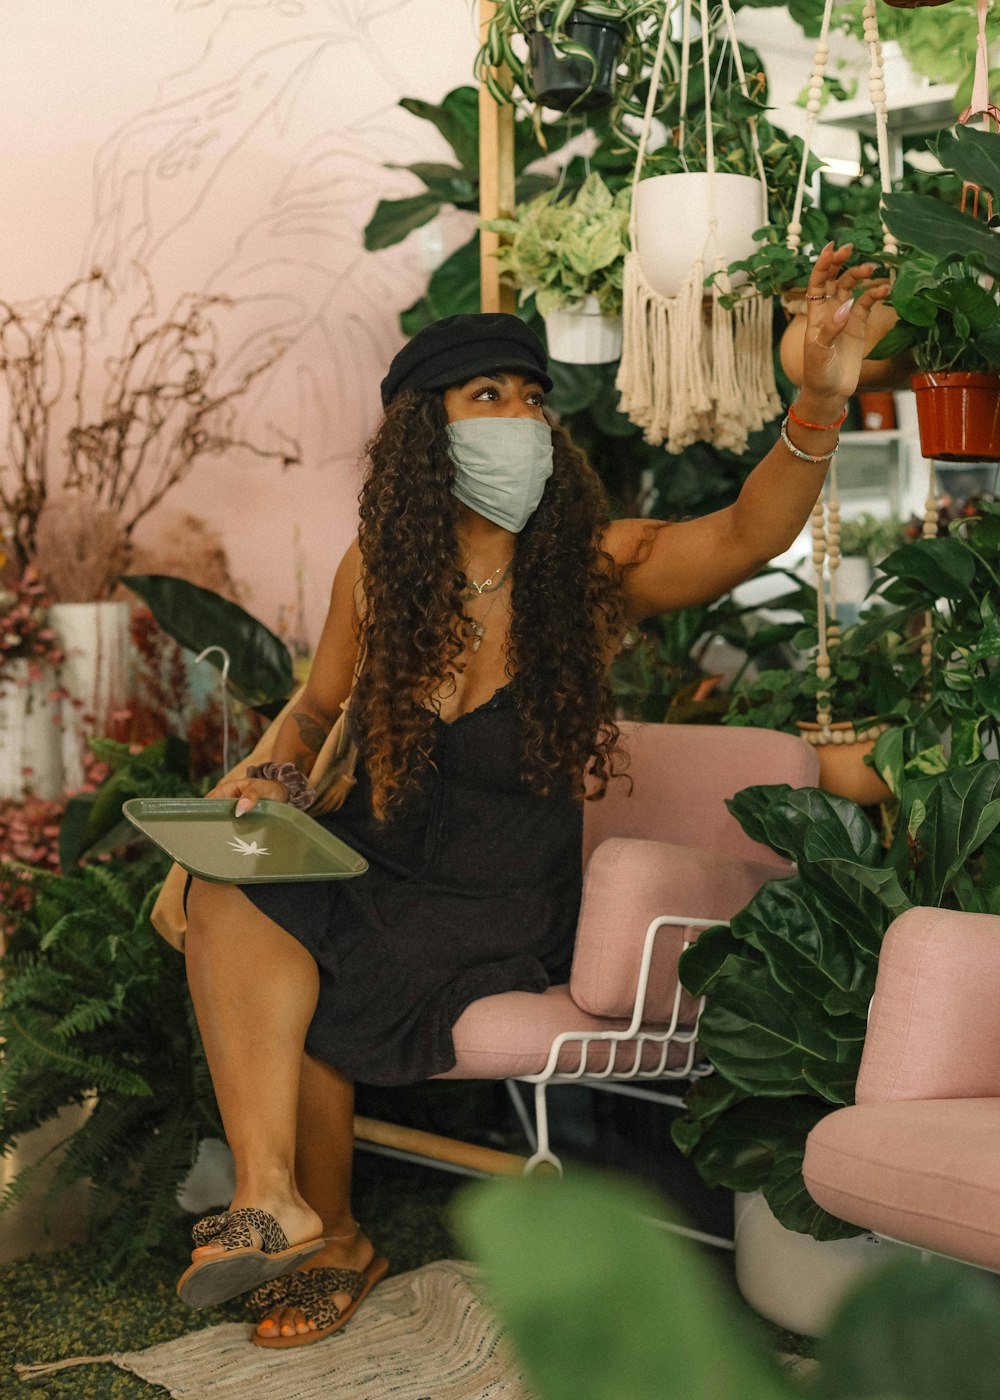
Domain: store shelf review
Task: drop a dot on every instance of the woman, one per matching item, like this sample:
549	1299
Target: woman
481	608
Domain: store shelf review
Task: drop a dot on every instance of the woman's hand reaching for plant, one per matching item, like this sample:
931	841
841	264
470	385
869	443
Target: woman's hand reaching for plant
836	316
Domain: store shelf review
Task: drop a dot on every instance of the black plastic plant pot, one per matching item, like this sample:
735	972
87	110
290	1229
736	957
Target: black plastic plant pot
565	83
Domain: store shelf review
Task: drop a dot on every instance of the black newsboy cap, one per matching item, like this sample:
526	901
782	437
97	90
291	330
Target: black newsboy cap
458	348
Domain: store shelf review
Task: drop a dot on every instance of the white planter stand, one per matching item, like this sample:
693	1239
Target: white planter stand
674	226
211	1181
30	736
580	335
24	1230
96	674
792	1279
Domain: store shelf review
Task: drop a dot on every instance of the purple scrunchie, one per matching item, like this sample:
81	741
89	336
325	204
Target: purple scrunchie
296	784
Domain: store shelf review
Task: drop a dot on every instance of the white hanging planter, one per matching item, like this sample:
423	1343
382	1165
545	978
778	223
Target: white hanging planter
581	335
674	228
854	577
30	736
792	1279
96	674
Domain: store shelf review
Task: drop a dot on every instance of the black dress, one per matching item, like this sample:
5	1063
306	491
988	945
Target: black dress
473	888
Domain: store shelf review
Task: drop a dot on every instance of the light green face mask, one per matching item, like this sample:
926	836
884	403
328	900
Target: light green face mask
501	467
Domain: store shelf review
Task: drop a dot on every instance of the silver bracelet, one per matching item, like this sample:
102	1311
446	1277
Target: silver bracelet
797	451
296	784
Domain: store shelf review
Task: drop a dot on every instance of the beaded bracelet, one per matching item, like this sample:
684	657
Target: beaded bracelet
296	784
819	427
797	451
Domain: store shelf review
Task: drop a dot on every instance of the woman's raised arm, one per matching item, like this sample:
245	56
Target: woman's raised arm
694	561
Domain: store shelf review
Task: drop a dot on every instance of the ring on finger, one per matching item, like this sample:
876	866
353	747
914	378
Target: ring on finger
810	296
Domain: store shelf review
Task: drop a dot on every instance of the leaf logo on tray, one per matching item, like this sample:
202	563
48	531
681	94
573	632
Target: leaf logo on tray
247	848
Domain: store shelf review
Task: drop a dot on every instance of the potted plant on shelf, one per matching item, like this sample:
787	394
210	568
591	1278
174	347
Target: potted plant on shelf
569	253
30	657
573	57
947	297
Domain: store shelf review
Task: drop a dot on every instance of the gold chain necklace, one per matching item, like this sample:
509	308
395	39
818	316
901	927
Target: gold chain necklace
478	629
488	585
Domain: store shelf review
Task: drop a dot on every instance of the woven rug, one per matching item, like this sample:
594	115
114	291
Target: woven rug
425	1335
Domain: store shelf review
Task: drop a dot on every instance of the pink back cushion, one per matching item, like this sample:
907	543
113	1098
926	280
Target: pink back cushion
682	775
934	1029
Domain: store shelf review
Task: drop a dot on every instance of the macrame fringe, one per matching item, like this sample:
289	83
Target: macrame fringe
692	370
43	1368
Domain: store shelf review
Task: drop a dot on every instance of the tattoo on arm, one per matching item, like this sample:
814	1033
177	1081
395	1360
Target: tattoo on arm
311	732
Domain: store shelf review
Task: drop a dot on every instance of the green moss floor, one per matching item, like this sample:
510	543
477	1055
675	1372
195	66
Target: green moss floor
54	1306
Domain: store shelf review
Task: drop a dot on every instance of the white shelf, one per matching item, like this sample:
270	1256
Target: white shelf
919	109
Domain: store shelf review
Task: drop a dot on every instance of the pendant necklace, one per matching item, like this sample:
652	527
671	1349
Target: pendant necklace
478	629
491	583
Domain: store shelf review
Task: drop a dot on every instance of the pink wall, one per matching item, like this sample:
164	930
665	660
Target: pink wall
237	146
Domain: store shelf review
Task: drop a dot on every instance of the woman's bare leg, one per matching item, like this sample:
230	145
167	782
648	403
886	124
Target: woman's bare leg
323	1162
254	989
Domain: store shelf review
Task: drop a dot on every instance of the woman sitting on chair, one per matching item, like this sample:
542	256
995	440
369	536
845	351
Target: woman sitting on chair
481	607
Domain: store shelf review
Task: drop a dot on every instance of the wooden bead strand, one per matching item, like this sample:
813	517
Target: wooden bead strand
822	661
814	103
876	94
833	555
929	532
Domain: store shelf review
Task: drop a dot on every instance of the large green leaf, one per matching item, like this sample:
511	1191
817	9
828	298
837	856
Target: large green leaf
919	1329
808	953
936	228
457	119
602	1307
260	665
761	1039
973	155
961	812
941	568
395	218
791	1204
449	184
453	289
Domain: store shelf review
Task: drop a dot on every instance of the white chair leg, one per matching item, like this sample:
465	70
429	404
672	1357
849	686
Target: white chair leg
543	1154
524	1118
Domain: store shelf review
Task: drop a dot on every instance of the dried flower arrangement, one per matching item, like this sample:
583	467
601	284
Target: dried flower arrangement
116	443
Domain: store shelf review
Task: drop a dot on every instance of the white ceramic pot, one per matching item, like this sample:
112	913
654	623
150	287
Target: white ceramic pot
792	1279
673	225
580	335
30	736
32	1225
853	579
96	674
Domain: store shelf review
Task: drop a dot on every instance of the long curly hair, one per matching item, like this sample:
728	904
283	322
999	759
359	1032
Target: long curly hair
567	604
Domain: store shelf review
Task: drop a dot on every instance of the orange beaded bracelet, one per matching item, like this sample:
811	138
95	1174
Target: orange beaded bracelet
820	427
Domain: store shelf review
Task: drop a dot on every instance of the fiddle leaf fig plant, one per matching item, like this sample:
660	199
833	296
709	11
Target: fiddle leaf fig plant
565	248
788	982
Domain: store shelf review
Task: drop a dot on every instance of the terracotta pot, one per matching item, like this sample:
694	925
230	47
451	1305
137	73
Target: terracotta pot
878	411
842	769
958	415
875	374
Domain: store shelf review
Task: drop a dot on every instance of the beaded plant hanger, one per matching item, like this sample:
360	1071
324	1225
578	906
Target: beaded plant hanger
825	521
691	368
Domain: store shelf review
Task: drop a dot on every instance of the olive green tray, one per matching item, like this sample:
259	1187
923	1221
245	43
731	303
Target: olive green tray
272	842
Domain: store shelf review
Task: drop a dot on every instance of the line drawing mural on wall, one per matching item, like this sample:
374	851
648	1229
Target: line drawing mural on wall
252	173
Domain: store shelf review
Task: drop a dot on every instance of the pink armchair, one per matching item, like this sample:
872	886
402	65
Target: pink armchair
915	1159
661	863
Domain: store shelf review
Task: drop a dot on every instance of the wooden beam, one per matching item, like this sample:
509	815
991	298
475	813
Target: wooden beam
438	1149
496	177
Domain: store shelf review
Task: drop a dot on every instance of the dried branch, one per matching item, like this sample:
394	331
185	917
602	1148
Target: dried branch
162	403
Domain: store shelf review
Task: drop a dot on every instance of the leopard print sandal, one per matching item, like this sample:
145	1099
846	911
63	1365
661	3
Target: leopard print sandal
311	1291
244	1265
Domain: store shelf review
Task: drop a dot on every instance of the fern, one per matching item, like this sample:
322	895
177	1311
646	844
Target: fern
96	1010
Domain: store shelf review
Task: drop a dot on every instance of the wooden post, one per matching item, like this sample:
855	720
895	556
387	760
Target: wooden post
496	177
438	1149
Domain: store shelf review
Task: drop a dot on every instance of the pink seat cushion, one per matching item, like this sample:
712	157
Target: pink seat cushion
502	1036
629	883
924	1172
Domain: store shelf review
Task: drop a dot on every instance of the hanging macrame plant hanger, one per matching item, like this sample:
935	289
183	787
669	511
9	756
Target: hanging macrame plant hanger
826	513
693	369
